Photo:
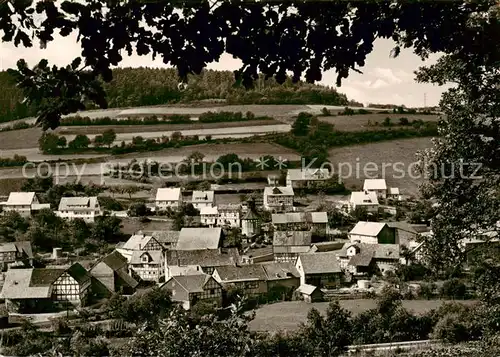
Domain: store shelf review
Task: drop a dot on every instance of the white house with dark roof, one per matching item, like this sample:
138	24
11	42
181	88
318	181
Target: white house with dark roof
287	245
319	269
199	238
300	178
379	186
229	215
23	203
201	199
364	199
209	216
86	208
250	223
148	265
372	233
168	198
365	259
139	242
278	198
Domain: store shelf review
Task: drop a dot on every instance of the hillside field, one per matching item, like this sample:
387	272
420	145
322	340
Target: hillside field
398	156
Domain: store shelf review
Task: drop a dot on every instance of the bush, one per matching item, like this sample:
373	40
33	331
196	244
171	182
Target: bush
453	289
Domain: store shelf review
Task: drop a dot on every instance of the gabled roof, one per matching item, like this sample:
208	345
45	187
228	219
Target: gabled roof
199	238
307	289
307	174
278	191
203	196
367	252
168	194
299	217
21	247
136	242
20	198
78	204
393	191
369	229
115	260
191	283
360	198
45	276
17	286
320	263
251	272
154	256
292	238
279	271
250	215
403	226
202	257
229	207
375	184
208	211
79	273
165	237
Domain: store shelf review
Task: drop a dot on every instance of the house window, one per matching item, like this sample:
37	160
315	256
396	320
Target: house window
212	291
252	285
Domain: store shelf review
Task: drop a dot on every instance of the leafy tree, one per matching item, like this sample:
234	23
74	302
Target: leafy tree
106	228
108	137
79	142
50	143
98	141
329	335
300	127
138	209
403	121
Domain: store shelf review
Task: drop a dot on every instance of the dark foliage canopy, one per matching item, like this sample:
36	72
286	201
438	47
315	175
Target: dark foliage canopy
273	38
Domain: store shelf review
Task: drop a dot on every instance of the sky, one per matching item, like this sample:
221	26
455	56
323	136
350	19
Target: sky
385	80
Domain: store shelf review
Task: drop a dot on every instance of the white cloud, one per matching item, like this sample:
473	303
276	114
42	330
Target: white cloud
393	76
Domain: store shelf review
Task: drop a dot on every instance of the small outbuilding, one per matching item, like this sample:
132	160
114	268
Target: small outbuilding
309	293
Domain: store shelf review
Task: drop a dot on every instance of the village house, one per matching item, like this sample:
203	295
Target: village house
184	262
139	242
258	279
405	233
302	178
168	198
273	180
365	200
189	289
319	269
282	275
34	290
149	265
209	216
278	198
199	238
372	233
378	186
229	215
16	254
360	259
251	279
393	194
250	223
24	203
111	275
287	245
167	239
317	222
86	208
203	199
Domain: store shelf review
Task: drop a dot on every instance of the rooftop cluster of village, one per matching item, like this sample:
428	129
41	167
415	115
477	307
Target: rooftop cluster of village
283	248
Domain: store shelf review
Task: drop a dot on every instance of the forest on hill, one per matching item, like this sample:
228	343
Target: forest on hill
153	86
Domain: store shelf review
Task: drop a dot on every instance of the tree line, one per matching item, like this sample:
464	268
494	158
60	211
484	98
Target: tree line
153	86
